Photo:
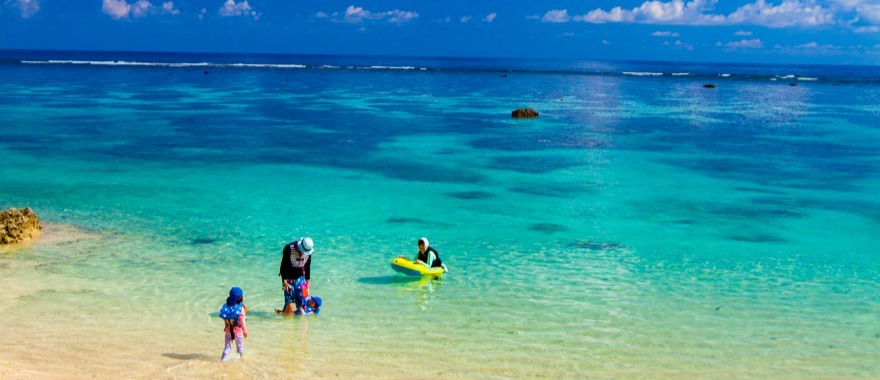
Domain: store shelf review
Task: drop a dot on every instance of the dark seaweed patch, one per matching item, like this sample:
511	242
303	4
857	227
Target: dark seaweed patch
205	240
421	222
403	220
596	246
735	211
532	165
548	228
424	173
755	213
471	195
161	96
759	190
547	190
758	238
530	142
865	209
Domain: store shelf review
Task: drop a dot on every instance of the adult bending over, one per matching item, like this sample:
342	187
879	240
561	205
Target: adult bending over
296	263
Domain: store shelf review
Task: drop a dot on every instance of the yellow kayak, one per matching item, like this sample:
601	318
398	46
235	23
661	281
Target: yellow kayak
409	267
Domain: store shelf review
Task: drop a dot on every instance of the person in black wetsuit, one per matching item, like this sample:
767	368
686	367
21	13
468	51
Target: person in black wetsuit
428	255
295	272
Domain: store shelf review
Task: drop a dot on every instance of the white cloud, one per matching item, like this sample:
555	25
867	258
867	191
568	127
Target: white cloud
742	33
815	49
465	19
446	20
746	44
27	7
867	9
231	8
534	17
803	13
142	8
117	9
168	7
355	15
321	15
398	16
657	12
556	16
202	13
664	33
684	45
606	42
120	9
490	17
867	29
789	13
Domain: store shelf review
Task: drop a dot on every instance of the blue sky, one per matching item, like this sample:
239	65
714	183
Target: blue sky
783	31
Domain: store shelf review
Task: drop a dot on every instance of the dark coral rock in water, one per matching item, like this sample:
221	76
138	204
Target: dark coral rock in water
708	85
524	113
205	240
548	227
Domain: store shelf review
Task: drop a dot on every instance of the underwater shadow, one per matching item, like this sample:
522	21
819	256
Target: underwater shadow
260	314
388	280
177	356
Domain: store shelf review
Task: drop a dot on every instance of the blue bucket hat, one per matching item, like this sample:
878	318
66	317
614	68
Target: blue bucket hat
234	294
317	301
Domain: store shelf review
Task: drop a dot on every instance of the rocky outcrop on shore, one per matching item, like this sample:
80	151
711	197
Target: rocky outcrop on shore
19	226
524	113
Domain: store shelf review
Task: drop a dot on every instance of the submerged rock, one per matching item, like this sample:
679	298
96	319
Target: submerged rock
524	113
18	226
708	85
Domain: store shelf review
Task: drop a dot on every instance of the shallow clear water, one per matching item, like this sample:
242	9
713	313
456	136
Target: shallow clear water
642	226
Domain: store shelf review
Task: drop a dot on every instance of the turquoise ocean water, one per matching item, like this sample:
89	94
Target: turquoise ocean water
643	226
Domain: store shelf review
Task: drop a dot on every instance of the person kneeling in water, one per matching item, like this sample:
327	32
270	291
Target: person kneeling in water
428	256
312	306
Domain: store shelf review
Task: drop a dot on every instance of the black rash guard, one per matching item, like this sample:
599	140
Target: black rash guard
423	256
288	270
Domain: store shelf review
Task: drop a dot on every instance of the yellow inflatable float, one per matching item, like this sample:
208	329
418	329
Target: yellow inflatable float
412	268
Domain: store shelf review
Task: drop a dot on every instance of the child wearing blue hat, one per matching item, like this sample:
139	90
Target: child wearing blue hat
311	306
234	314
299	301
